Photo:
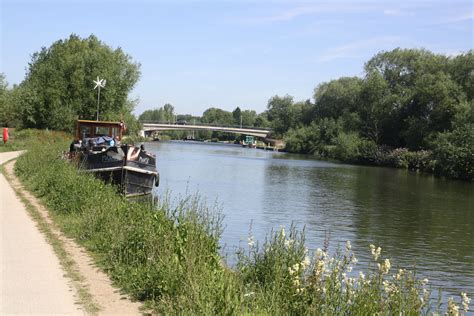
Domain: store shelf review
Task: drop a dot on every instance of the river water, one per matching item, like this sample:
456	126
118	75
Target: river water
418	220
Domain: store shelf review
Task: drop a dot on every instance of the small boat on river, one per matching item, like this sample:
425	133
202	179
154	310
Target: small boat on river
249	142
97	149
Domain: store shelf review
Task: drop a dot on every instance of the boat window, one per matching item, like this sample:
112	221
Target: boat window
101	131
115	132
85	132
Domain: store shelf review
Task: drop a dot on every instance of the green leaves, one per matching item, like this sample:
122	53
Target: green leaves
60	78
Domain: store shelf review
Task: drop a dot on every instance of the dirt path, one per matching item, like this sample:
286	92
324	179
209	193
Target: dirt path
93	281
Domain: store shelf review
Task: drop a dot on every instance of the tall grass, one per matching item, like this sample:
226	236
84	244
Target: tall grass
169	256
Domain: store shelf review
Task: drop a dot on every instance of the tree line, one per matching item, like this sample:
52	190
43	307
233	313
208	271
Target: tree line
411	108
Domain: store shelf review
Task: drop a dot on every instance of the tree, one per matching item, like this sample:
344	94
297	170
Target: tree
217	116
282	114
454	150
334	98
373	109
461	71
262	120
168	111
59	83
3	100
249	117
9	114
237	115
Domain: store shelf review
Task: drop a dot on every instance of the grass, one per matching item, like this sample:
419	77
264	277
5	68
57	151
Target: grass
169	257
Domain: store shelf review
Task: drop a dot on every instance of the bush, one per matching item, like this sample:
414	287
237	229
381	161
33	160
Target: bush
454	153
347	147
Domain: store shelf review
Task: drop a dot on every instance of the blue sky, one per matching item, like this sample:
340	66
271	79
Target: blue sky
198	54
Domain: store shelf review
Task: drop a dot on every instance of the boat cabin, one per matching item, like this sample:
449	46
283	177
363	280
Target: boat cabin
92	129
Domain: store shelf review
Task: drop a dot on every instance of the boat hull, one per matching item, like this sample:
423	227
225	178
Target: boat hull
135	176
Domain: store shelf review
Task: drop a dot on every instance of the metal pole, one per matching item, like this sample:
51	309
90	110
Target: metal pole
240	120
98	98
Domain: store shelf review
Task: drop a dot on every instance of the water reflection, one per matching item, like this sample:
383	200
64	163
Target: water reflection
418	220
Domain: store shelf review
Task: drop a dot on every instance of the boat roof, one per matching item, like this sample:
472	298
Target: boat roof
89	128
99	122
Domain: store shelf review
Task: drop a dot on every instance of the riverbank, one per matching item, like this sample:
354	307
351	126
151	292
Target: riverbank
170	259
93	291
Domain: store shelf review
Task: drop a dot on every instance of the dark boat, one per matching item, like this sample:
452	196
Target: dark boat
97	149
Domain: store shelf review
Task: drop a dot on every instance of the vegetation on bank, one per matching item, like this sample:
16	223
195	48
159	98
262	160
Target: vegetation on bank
21	139
168	256
411	109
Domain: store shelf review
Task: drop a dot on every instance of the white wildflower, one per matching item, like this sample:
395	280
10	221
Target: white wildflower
348	245
386	266
465	301
289	242
375	252
249	294
453	309
305	263
282	232
354	260
399	275
319	253
296	267
250	241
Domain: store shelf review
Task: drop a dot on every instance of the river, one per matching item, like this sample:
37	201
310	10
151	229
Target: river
418	220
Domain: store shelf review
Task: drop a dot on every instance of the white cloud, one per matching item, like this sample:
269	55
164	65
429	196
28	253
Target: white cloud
299	11
396	12
360	48
459	18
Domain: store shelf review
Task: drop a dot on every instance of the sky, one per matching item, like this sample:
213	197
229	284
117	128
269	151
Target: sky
201	54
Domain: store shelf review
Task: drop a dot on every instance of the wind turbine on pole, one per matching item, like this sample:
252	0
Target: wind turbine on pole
99	83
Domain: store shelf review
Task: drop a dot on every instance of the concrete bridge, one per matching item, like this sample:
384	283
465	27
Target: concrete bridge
252	131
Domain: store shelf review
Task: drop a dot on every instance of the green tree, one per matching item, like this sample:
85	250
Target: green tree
372	107
461	71
454	150
59	88
334	98
4	94
168	111
283	114
436	101
237	115
217	116
261	120
249	117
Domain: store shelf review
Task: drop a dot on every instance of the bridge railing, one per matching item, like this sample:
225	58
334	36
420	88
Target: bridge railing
207	124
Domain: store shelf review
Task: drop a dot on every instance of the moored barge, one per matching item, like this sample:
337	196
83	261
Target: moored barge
97	149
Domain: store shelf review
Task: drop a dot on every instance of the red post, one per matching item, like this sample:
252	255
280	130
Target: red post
5	135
